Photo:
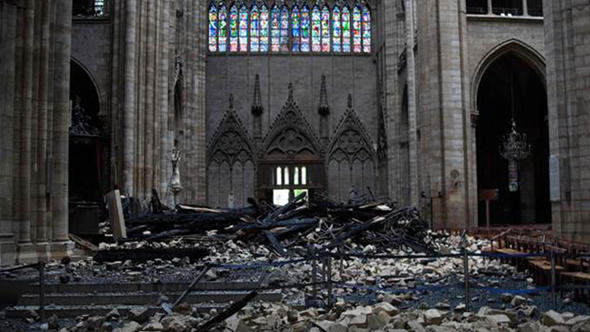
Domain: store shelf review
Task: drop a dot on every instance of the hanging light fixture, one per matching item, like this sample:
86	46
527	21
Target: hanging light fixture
514	147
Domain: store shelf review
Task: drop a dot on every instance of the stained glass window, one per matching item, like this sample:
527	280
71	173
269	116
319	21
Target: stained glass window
295	29
345	29
356	29
325	29
275	26
254	29
263	29
316	25
336	30
284	29
222	32
233	29
243	29
212	28
366	30
305	29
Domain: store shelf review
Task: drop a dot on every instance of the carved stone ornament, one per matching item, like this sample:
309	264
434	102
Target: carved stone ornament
230	142
291	134
351	141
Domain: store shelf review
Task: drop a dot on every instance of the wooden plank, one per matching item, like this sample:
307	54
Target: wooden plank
116	218
577	275
83	243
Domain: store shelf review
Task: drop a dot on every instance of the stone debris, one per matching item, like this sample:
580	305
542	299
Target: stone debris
552	318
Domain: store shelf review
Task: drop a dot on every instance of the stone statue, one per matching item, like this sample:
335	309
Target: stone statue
175	185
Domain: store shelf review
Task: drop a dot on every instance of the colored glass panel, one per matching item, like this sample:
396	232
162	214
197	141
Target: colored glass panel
243	29
345	29
212	29
325	29
316	25
366	30
254	29
305	29
222	30
295	29
233	29
284	29
263	29
356	30
275	26
336	30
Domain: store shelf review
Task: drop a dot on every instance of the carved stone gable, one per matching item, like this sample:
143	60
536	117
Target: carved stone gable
230	141
351	141
291	134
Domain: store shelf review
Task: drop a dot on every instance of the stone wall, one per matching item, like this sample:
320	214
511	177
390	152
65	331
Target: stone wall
567	40
347	74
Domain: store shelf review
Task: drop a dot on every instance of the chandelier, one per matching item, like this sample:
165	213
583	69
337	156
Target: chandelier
514	148
514	145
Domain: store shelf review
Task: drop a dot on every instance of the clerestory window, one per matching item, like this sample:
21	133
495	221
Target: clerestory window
273	27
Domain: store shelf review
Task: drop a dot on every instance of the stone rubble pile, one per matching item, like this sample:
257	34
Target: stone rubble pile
382	316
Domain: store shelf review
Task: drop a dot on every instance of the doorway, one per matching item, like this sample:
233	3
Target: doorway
511	89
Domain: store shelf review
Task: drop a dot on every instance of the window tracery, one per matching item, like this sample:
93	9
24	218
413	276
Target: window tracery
299	27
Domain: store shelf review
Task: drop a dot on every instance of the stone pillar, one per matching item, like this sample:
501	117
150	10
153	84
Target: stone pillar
129	99
148	138
26	250
390	55
442	96
163	94
525	8
8	14
61	119
490	7
42	198
412	116
567	44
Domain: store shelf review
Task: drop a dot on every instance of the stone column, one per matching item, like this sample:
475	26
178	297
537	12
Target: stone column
8	14
61	119
129	99
391	113
42	128
148	139
163	95
412	117
525	8
26	250
490	7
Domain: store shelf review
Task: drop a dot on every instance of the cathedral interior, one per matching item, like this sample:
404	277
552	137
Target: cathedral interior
475	112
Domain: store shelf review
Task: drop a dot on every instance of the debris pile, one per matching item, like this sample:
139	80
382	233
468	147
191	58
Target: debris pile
297	224
383	316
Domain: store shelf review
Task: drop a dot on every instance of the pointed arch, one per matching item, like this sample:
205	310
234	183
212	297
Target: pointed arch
351	141
520	49
291	134
230	142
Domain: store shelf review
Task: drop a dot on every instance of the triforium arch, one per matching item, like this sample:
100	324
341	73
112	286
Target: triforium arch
351	159
291	158
509	88
230	163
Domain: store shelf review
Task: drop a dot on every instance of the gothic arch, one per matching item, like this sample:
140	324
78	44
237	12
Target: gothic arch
351	141
352	158
509	88
520	49
80	72
290	134
231	164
